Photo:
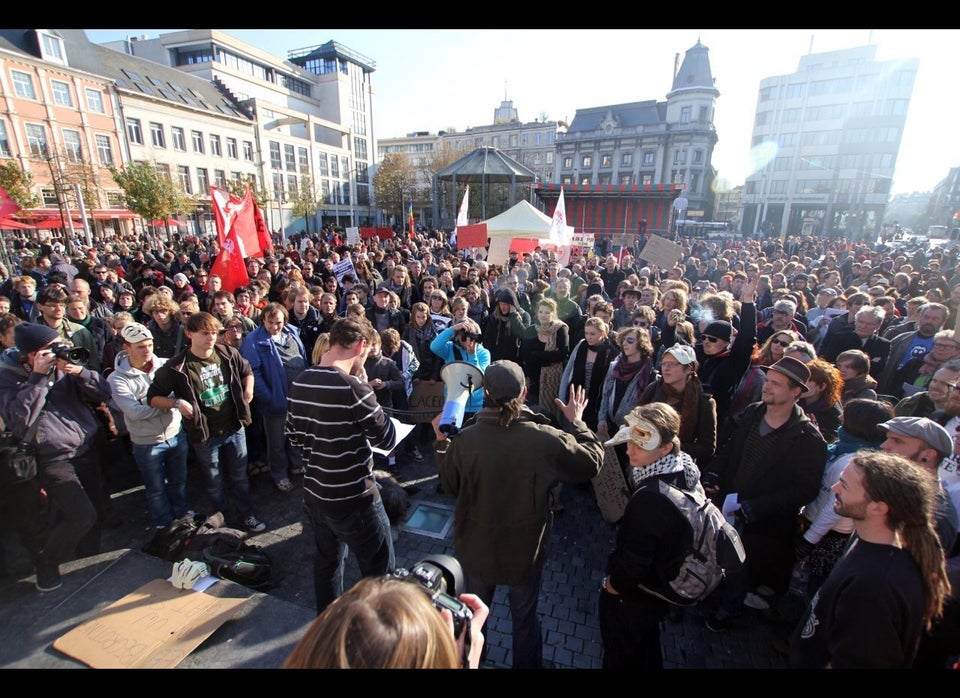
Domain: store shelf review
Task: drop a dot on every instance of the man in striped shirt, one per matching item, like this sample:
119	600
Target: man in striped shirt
334	418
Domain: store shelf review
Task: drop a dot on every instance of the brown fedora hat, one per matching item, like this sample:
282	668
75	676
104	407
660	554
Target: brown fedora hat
792	368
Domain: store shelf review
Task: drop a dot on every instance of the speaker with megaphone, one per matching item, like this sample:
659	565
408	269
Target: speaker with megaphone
460	379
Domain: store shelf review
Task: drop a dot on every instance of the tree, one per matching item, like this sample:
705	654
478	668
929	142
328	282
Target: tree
18	184
150	193
261	197
304	201
394	184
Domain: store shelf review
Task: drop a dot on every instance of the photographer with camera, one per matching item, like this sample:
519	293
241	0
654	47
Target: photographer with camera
388	623
504	493
41	382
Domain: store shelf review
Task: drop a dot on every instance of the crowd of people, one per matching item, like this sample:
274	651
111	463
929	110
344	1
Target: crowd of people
784	377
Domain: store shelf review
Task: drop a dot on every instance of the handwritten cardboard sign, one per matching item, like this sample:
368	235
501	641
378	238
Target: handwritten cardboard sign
662	252
154	627
426	402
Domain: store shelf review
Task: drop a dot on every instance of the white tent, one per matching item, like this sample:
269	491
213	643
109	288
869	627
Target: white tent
521	221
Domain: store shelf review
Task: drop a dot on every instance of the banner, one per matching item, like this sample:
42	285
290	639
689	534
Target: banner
232	213
344	267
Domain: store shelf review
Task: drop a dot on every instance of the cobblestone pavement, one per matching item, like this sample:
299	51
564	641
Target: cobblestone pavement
569	596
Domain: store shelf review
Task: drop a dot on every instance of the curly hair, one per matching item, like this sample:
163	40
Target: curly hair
824	373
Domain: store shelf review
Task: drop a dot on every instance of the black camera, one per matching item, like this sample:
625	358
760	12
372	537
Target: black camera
442	578
71	354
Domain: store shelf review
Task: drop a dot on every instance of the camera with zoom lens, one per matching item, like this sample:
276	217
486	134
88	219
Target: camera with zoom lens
71	354
441	577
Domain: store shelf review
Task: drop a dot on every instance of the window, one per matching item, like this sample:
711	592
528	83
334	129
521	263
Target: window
626	180
289	157
626	159
685	114
275	161
796	90
322	164
248	151
648	157
197	138
215	148
334	166
303	159
95	100
134	132
237	177
762	119
61	93
22	84
232	151
606	161
72	146
219	179
790	116
36	139
698	157
177	138
51	47
104	150
587	161
183	174
49	197
156	135
278	186
567	162
679	157
4	140
292	185
203	180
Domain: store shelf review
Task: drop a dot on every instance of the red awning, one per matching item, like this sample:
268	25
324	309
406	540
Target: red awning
163	223
54	224
11	224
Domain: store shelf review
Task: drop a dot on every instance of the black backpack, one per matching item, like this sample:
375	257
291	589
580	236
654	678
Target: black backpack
243	562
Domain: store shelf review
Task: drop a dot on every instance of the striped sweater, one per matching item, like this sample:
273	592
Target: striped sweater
334	419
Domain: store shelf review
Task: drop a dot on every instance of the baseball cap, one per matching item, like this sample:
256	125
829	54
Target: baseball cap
924	429
503	380
383	287
683	353
135	332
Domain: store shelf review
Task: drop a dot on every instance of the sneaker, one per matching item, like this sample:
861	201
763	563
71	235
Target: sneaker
254	525
284	485
417	456
756	602
48	577
298	471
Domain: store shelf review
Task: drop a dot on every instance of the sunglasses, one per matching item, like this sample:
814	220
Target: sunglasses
781	343
641	324
630	340
707	338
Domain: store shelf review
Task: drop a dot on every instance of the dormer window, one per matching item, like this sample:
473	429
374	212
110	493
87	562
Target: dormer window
51	47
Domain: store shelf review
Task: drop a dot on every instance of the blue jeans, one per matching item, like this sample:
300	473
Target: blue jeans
225	457
365	531
527	638
163	467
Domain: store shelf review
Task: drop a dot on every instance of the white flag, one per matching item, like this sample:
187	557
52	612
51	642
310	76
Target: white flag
558	226
462	215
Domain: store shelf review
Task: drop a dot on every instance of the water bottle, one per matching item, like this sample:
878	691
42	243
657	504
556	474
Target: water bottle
799	578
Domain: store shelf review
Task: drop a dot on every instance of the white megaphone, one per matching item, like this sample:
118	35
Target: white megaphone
460	379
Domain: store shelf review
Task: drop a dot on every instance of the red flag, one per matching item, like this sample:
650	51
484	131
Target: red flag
412	233
263	233
233	213
230	265
7	204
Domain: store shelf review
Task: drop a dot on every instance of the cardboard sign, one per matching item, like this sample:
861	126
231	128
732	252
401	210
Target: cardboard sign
662	252
353	236
154	627
426	402
610	487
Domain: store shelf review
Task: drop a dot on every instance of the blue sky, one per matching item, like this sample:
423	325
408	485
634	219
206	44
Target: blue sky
436	79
